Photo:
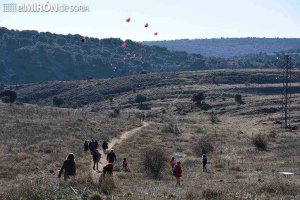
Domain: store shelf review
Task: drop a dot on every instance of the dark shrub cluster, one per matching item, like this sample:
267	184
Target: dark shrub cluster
260	142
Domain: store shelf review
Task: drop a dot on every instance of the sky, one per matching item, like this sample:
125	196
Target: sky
172	19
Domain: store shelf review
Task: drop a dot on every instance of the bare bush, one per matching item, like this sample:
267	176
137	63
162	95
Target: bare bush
212	194
107	184
154	161
260	142
95	196
116	113
214	118
171	126
204	145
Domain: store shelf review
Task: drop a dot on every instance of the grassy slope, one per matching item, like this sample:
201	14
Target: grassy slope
237	169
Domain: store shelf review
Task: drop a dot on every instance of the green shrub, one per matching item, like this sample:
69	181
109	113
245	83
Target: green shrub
57	101
198	98
140	99
238	98
12	96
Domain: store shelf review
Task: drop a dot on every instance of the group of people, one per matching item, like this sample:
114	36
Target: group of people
69	166
177	170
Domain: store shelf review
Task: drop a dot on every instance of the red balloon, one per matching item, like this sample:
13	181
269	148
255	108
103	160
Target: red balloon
128	20
124	45
146	25
156	33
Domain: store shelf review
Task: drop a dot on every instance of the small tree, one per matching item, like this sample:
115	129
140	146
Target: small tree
238	98
57	101
154	161
198	98
140	99
11	95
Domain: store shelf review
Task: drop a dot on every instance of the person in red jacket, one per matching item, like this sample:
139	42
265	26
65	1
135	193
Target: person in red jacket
178	173
125	165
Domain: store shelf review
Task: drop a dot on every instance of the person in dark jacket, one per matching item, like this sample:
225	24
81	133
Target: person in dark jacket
104	146
96	159
92	145
69	167
178	173
111	156
96	144
204	162
86	146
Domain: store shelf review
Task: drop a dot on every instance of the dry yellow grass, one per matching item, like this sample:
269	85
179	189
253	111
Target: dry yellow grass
35	141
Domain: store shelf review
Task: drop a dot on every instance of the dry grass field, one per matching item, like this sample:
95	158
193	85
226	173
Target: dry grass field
35	140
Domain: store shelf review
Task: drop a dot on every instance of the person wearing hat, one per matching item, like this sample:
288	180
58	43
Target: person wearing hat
111	156
178	173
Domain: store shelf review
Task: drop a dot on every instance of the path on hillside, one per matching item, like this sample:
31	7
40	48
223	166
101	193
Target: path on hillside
117	140
124	136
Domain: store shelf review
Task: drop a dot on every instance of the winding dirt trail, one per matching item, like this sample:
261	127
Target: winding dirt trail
118	140
115	141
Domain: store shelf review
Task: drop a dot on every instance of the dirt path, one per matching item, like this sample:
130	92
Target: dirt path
117	140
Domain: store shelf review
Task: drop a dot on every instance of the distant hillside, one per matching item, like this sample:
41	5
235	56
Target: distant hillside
86	92
30	56
229	47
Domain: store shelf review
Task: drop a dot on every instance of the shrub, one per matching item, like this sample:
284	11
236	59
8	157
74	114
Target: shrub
212	194
95	196
238	98
5	99
57	101
12	95
214	118
116	113
198	98
203	145
171	126
154	161
144	72
107	184
140	99
260	142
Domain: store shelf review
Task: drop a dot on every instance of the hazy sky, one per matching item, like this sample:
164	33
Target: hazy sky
172	19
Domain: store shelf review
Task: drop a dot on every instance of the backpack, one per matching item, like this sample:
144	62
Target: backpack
174	171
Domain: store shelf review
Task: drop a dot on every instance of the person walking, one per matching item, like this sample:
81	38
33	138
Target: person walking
69	167
172	163
125	165
96	159
204	162
178	173
104	146
111	156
